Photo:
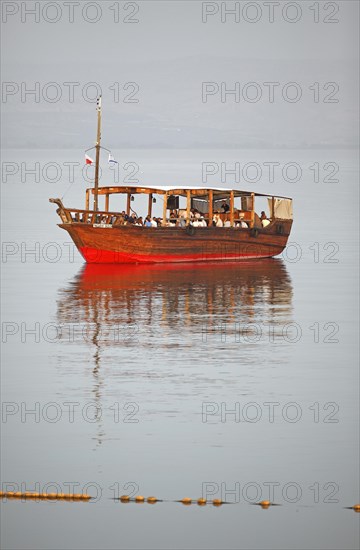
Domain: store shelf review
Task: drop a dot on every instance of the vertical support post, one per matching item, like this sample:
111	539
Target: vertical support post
272	216
128	204
211	201
87	199
252	222
68	216
107	202
164	209
97	161
188	204
232	208
150	204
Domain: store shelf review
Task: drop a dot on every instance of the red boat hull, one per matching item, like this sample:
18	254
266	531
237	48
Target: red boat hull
136	245
94	255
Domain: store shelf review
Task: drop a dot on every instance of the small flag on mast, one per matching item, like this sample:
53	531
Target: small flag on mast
112	160
88	160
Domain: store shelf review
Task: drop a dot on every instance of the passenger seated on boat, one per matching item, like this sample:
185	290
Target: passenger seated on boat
154	222
225	207
182	218
199	222
227	223
139	221
173	217
147	222
264	220
125	217
243	224
217	221
119	219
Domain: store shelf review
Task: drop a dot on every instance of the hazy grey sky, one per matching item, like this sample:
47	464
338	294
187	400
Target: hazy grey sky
169	49
166	30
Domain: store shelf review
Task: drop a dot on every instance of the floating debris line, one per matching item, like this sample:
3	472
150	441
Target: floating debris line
138	499
44	496
186	501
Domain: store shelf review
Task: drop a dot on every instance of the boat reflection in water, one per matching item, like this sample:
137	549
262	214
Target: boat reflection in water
139	299
145	324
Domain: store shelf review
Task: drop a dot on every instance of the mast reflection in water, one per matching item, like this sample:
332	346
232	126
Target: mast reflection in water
187	328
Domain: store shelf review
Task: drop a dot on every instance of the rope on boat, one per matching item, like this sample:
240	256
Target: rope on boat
68	189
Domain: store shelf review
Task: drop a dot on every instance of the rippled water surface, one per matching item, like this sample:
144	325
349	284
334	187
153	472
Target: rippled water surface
234	381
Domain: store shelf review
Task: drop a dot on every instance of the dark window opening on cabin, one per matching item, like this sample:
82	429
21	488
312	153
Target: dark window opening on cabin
173	202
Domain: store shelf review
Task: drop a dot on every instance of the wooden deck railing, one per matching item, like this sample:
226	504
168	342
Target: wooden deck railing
77	215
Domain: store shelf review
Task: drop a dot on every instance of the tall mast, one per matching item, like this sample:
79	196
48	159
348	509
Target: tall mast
97	161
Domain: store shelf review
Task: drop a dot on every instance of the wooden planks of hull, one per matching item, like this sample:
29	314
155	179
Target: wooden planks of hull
135	244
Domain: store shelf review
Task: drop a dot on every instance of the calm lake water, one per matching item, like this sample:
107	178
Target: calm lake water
236	381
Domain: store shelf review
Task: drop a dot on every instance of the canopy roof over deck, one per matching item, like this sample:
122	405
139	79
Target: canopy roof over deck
278	205
218	192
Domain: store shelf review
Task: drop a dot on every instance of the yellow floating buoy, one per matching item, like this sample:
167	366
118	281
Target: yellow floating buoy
52	495
217	502
76	496
186	501
265	503
152	500
356	507
139	498
124	498
201	501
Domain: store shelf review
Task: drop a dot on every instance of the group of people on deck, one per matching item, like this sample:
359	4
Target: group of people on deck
135	220
197	219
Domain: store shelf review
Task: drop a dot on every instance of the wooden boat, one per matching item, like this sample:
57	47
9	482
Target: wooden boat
106	236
